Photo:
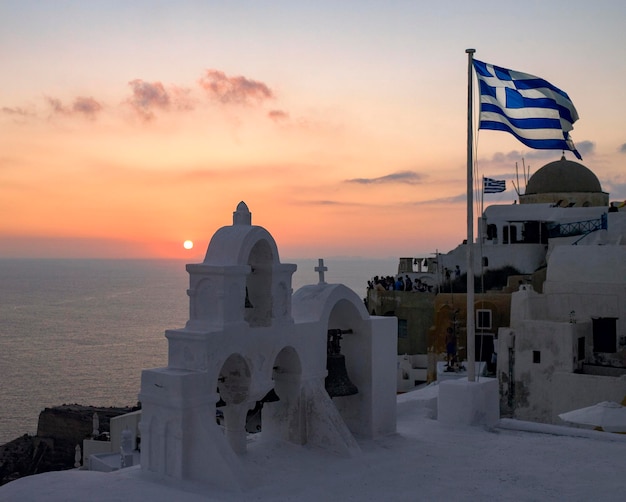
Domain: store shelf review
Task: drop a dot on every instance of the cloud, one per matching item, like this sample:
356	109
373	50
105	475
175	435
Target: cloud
455	199
405	177
16	111
86	106
57	106
278	115
327	203
585	148
238	90
148	97
513	156
181	98
452	200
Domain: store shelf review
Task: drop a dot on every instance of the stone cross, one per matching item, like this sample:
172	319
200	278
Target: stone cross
320	269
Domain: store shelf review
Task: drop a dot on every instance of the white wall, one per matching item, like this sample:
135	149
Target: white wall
555	342
571	391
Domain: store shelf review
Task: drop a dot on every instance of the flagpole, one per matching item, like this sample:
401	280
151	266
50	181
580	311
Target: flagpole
481	226
482	201
470	324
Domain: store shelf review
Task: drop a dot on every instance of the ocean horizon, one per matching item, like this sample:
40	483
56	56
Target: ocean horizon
82	330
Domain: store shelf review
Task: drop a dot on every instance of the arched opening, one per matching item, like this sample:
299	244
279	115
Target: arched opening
234	380
280	418
258	302
284	393
233	387
345	317
286	374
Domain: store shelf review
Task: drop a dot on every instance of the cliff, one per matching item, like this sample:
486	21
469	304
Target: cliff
59	430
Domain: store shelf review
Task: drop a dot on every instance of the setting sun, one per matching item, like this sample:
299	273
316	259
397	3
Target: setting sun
188	244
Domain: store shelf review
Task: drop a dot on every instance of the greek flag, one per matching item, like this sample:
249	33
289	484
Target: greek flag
493	186
534	111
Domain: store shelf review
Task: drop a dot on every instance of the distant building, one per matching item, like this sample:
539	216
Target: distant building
565	183
566	348
566	345
563	208
492	311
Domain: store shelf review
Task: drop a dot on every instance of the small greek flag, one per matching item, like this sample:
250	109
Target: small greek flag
534	111
493	186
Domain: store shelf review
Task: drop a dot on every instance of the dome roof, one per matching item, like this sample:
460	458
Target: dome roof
564	176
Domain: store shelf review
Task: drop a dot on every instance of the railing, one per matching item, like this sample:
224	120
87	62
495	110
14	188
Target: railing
577	228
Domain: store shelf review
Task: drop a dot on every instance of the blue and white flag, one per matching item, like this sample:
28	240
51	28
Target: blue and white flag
537	113
493	186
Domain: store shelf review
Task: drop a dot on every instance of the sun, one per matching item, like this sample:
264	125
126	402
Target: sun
188	244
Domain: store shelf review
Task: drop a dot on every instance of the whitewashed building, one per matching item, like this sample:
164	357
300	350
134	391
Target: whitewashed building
248	337
566	348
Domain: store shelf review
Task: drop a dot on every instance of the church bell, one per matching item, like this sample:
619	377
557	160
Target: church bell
337	382
220	403
270	397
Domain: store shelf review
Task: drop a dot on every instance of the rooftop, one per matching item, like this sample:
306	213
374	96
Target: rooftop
424	460
564	176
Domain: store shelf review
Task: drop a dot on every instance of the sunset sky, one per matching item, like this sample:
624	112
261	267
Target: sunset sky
128	127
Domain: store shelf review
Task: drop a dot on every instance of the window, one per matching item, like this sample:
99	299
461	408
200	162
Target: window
604	334
483	319
532	232
536	356
403	331
509	234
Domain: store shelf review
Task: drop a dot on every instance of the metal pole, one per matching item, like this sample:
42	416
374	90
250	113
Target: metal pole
470	325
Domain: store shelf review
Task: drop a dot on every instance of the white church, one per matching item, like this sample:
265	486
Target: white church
251	344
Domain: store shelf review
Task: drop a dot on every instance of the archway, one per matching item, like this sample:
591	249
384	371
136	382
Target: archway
233	386
286	374
281	419
258	310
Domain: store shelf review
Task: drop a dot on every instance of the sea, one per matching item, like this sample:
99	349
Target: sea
81	331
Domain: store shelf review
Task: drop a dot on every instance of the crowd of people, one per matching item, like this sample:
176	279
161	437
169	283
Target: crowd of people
399	283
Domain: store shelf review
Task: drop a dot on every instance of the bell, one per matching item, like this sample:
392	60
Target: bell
270	397
337	382
220	402
248	303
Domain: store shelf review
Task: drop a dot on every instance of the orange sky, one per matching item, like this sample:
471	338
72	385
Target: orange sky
125	130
